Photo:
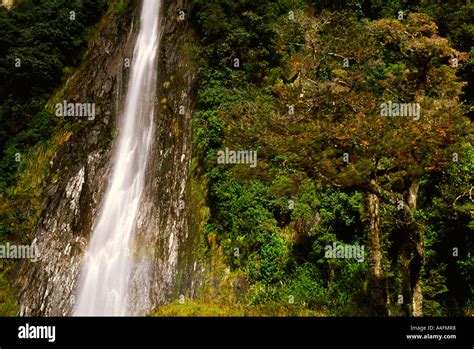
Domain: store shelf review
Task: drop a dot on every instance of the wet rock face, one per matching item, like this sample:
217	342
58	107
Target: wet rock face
165	247
166	264
70	204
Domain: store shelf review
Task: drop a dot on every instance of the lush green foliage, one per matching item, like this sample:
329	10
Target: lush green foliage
39	42
280	215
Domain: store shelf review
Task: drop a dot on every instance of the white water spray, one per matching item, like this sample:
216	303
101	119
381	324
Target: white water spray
104	280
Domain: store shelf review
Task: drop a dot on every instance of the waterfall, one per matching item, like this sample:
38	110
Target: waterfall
103	284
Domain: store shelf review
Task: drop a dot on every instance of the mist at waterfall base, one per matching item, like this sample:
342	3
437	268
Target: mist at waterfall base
104	279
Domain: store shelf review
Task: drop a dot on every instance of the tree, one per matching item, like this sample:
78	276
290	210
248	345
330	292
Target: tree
348	71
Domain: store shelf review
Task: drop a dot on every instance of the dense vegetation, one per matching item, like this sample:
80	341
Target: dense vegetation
404	191
40	42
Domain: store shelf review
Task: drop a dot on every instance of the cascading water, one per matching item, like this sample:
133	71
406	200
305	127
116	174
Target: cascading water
104	280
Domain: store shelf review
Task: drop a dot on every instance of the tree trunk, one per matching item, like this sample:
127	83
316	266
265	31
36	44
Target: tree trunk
412	255
377	287
405	258
417	299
